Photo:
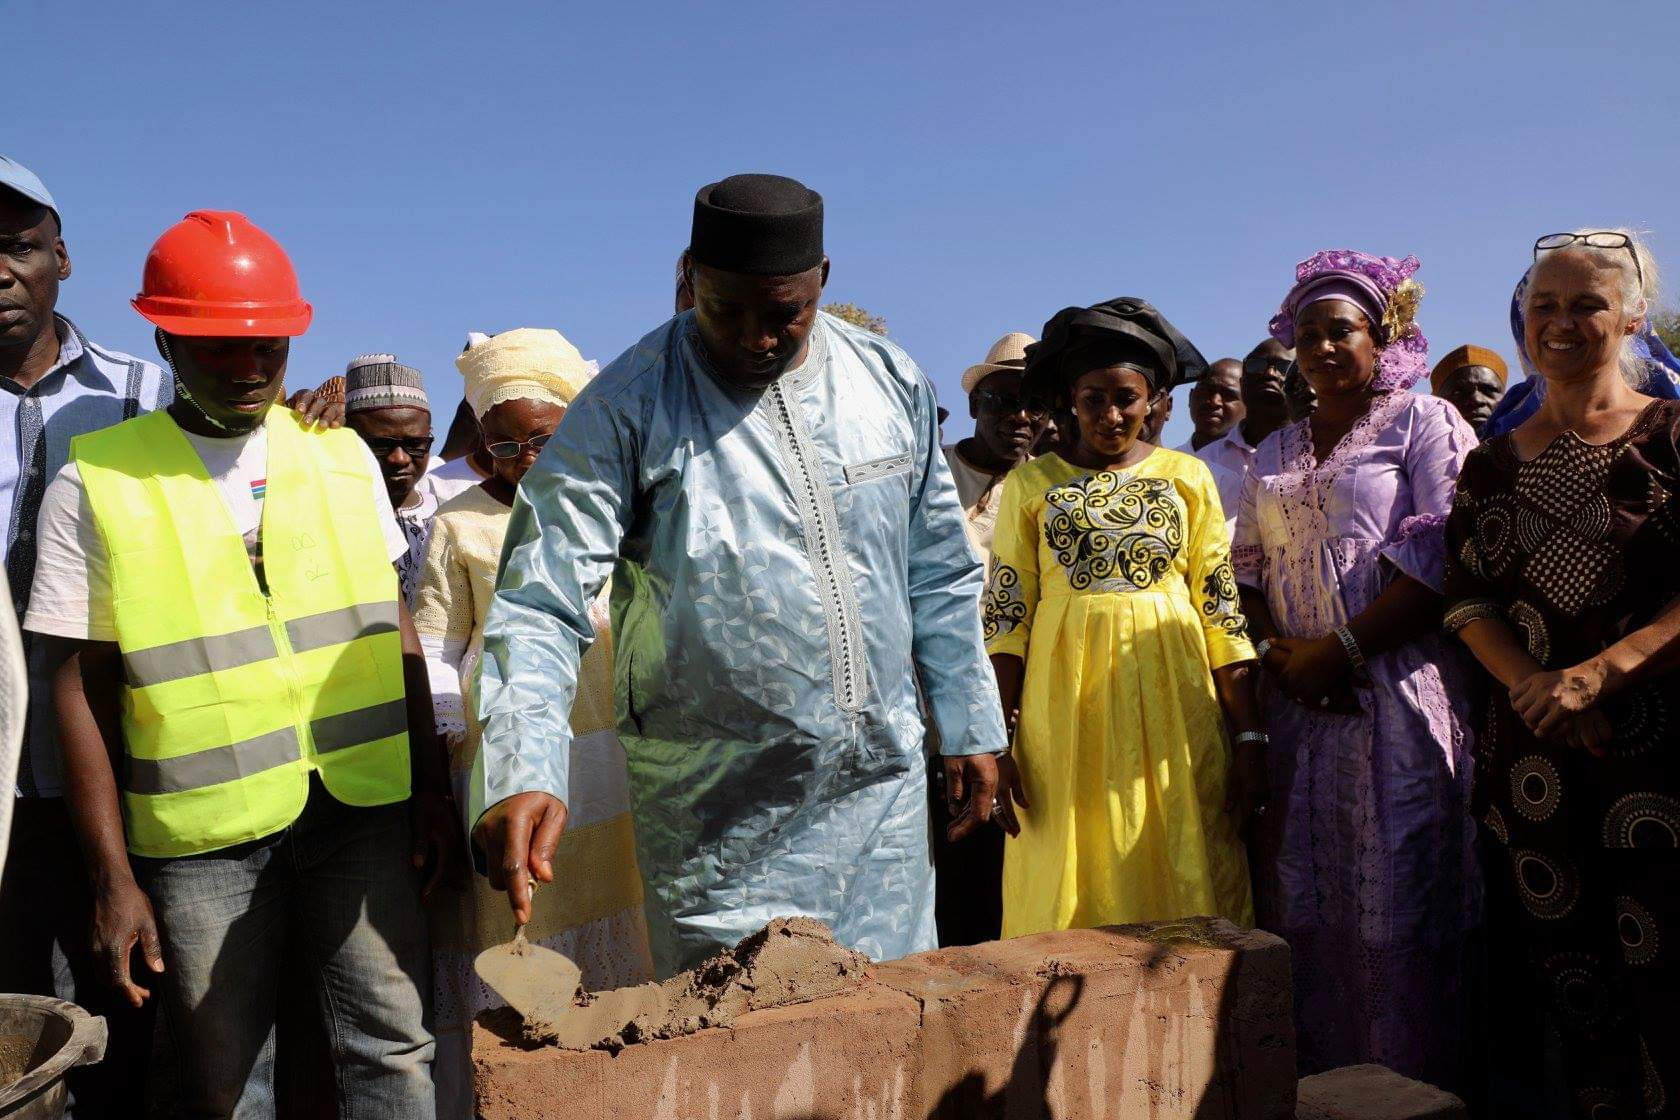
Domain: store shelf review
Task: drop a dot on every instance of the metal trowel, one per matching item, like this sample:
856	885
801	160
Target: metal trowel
538	983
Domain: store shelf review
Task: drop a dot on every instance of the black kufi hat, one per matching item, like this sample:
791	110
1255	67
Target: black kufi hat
1129	331
761	225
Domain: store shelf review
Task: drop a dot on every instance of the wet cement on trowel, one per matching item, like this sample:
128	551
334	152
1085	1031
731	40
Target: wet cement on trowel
792	960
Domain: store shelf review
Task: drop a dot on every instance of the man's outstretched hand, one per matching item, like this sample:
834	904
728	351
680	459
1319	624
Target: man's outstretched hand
518	836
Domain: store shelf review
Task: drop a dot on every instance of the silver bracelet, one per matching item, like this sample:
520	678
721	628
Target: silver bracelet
1259	737
1351	646
1261	648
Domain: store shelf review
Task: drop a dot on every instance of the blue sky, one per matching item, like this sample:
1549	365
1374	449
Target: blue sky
435	169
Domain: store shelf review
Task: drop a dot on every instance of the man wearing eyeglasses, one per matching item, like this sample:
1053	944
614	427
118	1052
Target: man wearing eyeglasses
385	403
1005	429
1265	373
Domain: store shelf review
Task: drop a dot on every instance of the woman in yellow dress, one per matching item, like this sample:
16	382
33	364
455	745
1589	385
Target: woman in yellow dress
1114	627
519	384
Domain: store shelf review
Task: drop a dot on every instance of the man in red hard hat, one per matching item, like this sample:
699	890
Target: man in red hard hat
217	582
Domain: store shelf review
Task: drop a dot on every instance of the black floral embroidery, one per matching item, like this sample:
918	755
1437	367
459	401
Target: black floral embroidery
1114	533
1006	607
1220	603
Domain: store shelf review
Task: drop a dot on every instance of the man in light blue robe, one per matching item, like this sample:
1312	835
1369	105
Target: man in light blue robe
764	484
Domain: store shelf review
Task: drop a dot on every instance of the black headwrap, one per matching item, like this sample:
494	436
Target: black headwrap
761	225
1125	331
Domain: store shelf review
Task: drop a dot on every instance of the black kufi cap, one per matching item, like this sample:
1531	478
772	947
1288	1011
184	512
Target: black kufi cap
761	225
1124	331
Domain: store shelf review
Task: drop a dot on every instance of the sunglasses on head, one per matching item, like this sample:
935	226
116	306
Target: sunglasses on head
1593	239
512	449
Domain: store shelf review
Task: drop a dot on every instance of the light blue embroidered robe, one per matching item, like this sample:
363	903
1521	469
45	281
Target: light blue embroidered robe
785	564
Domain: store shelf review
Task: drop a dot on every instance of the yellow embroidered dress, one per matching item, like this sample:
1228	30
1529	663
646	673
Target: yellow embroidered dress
1116	588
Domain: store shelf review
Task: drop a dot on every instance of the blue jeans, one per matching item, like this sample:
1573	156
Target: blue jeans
338	891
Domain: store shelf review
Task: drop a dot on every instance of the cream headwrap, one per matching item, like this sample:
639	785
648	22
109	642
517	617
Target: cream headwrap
532	362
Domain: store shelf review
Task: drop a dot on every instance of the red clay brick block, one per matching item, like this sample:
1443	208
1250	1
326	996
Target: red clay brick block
850	1057
1187	1020
1374	1093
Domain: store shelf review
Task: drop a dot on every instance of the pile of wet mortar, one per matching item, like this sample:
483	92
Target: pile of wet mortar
790	961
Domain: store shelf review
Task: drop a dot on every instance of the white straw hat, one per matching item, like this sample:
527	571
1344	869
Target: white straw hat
1008	352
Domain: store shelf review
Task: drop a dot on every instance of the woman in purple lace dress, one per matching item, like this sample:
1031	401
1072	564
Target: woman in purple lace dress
1365	863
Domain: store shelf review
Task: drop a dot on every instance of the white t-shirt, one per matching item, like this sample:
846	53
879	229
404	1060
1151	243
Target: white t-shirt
449	479
71	597
1228	458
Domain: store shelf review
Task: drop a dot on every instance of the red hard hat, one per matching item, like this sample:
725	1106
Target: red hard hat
215	274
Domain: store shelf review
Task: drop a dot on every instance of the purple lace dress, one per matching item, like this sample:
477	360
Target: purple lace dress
1366	863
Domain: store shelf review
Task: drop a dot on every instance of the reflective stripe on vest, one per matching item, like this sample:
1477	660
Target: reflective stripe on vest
193	656
233	697
253	756
343	625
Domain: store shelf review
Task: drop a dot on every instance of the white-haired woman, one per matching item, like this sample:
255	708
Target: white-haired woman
1562	580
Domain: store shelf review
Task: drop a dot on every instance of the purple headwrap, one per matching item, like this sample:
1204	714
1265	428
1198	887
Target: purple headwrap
1383	289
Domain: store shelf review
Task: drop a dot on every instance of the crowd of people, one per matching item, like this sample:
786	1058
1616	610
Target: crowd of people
648	655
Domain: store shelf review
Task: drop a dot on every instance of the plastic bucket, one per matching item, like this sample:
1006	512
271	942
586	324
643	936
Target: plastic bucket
41	1040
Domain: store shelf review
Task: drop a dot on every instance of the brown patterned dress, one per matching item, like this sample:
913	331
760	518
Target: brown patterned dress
1575	548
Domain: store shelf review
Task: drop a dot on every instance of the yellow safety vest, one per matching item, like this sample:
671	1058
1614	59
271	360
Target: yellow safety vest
234	696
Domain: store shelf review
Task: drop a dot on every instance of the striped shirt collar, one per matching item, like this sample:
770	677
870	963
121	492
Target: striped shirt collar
75	359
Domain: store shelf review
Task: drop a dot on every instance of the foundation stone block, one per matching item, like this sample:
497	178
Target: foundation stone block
1185	1020
849	1057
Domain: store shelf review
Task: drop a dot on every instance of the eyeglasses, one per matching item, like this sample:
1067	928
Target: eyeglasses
1593	239
1275	362
511	449
1006	403
416	449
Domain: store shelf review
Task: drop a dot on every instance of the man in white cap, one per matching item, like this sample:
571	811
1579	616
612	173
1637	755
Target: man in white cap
764	483
385	403
58	384
1006	426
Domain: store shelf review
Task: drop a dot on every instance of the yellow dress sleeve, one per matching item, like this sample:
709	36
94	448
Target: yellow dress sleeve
1012	588
1213	584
